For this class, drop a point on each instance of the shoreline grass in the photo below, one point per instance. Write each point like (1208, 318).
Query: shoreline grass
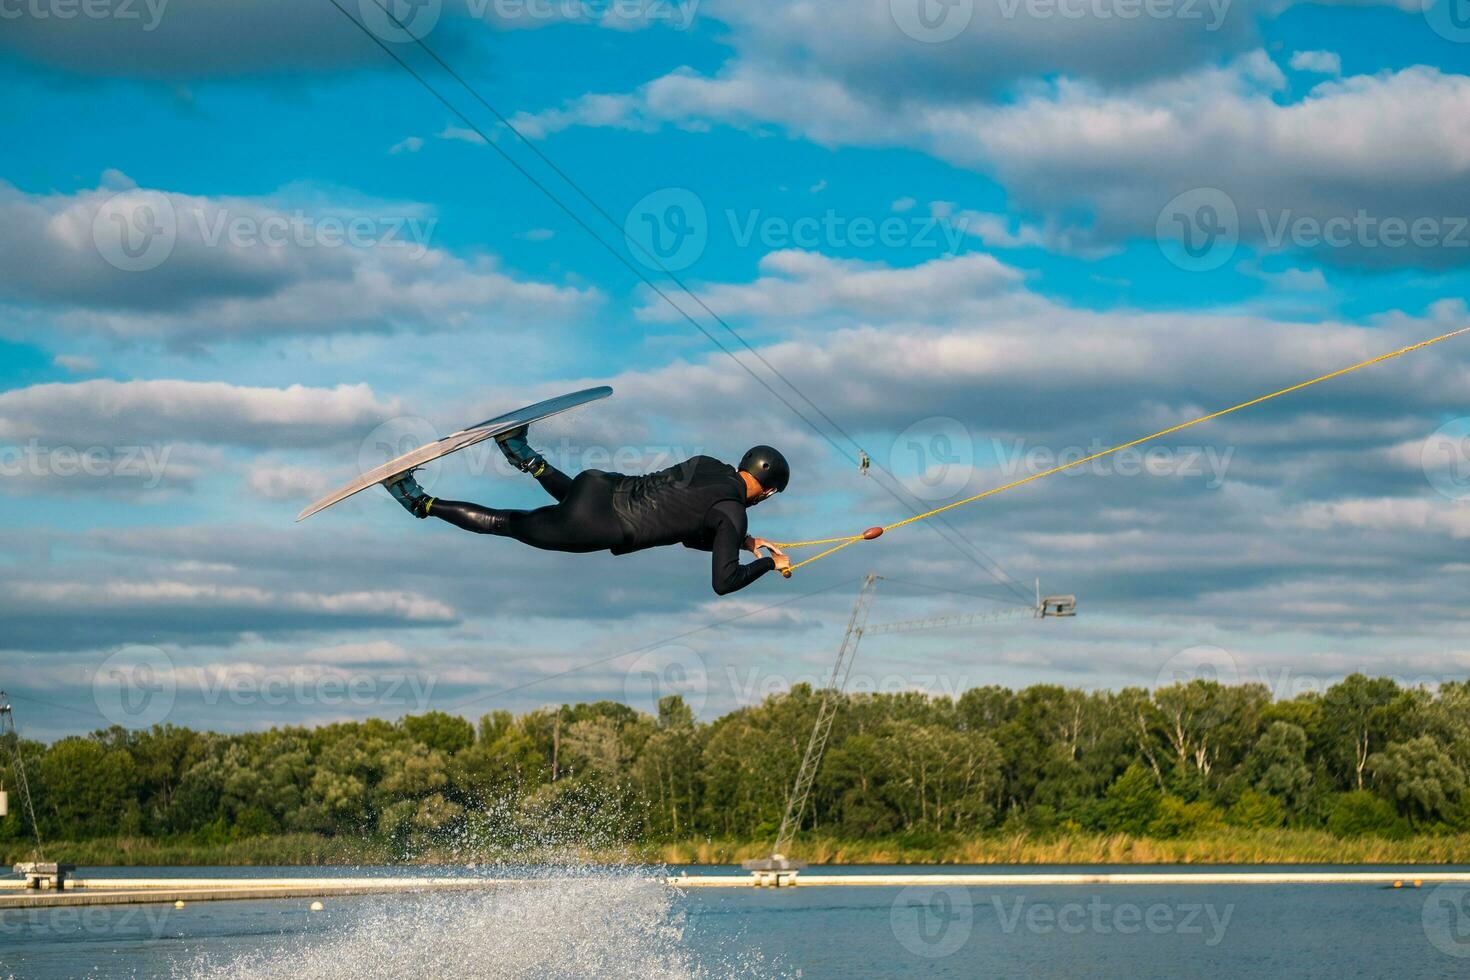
(1221, 847)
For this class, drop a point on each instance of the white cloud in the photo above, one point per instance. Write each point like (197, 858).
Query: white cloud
(1389, 144)
(287, 482)
(1317, 62)
(411, 144)
(75, 363)
(88, 413)
(241, 268)
(461, 134)
(800, 284)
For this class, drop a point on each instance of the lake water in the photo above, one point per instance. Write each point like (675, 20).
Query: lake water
(627, 924)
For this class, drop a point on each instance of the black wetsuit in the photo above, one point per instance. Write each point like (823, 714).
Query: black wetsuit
(700, 503)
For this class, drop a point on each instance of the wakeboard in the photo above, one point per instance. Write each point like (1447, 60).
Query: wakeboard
(454, 442)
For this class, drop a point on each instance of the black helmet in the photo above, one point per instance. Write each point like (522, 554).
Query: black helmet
(768, 467)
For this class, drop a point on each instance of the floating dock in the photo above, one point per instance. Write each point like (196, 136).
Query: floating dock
(136, 891)
(139, 891)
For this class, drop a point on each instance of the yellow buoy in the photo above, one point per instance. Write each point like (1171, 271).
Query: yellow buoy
(179, 904)
(316, 906)
(1398, 884)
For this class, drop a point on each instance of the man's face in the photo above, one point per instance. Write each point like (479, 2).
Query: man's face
(759, 495)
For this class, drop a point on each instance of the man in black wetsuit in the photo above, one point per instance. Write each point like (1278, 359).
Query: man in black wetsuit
(699, 503)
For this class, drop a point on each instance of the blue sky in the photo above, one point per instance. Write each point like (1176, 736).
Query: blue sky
(962, 248)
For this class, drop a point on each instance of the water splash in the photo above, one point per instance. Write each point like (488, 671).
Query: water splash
(606, 925)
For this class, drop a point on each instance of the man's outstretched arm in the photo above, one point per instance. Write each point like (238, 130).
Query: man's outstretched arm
(727, 575)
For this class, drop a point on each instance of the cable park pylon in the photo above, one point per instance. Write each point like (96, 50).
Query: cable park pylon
(11, 738)
(778, 869)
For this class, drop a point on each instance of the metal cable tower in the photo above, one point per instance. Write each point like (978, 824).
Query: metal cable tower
(826, 711)
(11, 737)
(778, 868)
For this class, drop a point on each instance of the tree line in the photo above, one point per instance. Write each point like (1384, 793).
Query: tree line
(1363, 757)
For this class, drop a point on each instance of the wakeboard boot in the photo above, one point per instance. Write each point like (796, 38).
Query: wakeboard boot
(519, 452)
(406, 490)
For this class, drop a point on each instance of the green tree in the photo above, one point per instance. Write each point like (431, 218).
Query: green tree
(1421, 779)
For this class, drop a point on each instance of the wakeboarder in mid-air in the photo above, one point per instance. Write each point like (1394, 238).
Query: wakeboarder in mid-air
(699, 503)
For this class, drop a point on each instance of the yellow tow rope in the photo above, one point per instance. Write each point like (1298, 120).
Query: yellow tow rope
(838, 543)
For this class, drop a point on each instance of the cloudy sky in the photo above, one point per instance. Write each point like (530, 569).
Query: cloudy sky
(245, 252)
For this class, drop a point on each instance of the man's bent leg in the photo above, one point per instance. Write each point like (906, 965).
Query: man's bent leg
(583, 521)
